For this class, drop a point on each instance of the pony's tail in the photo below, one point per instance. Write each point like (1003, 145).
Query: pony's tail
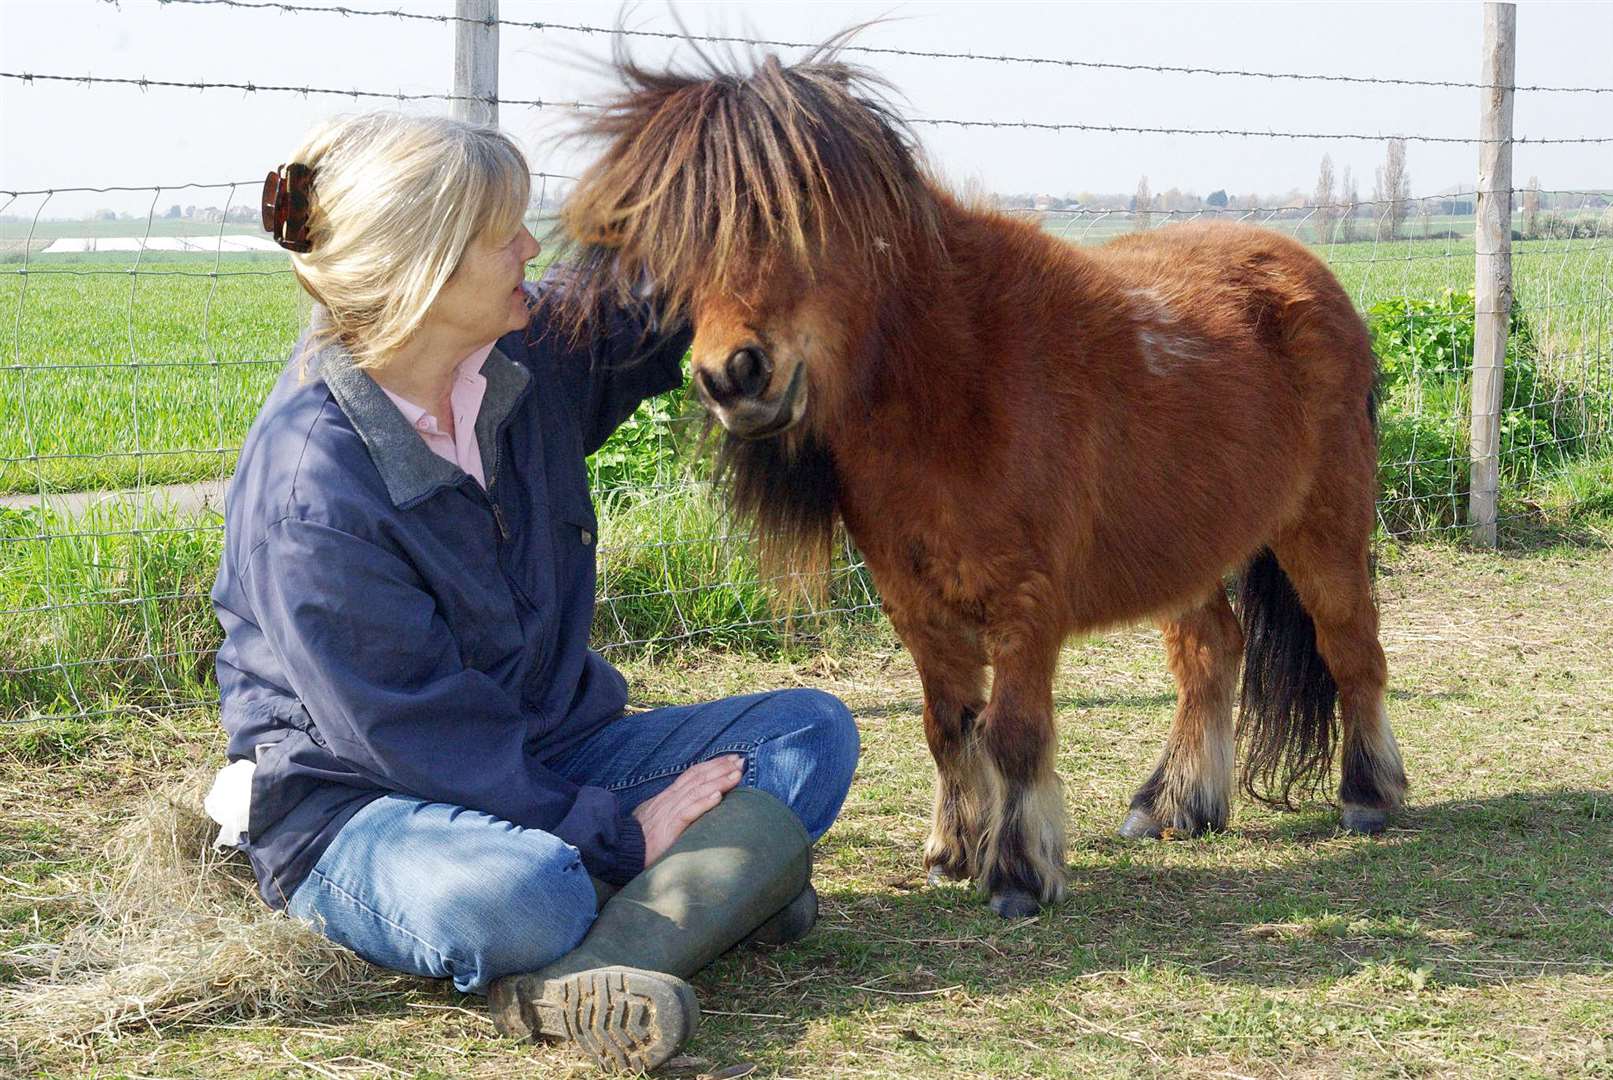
(1286, 716)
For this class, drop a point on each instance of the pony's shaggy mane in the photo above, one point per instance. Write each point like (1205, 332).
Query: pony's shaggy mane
(789, 489)
(708, 173)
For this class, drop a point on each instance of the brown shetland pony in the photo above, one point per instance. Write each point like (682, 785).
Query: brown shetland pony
(1026, 441)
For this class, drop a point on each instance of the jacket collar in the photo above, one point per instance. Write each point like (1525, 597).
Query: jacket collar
(409, 468)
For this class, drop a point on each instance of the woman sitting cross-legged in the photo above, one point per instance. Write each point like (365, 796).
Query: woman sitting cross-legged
(427, 761)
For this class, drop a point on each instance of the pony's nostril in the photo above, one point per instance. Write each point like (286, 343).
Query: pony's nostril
(749, 371)
(709, 386)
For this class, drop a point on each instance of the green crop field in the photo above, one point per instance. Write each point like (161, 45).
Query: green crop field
(114, 378)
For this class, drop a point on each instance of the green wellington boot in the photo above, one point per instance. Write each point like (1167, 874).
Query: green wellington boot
(790, 923)
(620, 996)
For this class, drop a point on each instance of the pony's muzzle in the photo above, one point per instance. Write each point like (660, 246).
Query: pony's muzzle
(748, 415)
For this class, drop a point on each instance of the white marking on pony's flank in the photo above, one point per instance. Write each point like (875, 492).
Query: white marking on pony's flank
(1163, 345)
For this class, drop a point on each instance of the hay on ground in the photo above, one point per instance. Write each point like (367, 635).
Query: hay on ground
(176, 935)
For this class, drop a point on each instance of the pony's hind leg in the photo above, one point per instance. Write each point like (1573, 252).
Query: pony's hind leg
(1330, 571)
(1188, 792)
(1022, 865)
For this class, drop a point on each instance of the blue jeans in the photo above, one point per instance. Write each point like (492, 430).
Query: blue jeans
(447, 892)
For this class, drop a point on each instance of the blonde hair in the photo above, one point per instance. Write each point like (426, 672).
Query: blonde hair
(396, 201)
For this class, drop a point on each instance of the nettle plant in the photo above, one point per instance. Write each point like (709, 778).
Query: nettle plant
(642, 454)
(1425, 359)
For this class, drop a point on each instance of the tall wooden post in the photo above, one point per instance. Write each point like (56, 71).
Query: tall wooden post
(1492, 305)
(476, 61)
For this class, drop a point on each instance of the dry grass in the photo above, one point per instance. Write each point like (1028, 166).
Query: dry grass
(173, 935)
(1476, 939)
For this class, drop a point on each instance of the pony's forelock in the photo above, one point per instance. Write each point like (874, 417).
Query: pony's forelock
(705, 172)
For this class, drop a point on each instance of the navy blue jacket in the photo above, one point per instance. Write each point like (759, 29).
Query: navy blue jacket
(391, 627)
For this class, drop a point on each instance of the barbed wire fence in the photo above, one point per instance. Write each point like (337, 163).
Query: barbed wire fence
(137, 363)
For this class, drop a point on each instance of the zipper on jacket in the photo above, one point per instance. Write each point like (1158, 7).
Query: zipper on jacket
(478, 493)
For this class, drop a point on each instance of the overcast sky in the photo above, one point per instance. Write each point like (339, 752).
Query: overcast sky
(60, 135)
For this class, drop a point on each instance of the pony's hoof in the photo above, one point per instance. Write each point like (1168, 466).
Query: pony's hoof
(1141, 825)
(1014, 904)
(1363, 820)
(941, 874)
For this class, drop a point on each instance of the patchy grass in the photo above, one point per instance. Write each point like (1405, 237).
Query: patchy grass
(1476, 938)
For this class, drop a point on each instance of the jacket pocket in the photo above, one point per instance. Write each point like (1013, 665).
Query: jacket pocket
(263, 808)
(294, 714)
(488, 627)
(576, 524)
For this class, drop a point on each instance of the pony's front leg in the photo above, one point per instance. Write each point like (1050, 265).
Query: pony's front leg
(1022, 866)
(952, 668)
(962, 788)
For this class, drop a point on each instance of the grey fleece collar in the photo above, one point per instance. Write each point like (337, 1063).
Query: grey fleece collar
(408, 466)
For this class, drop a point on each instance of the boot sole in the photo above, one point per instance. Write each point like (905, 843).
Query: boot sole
(624, 1018)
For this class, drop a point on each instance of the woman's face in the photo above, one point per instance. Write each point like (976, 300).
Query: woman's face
(483, 299)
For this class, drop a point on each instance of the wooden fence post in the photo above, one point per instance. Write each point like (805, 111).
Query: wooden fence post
(1492, 301)
(476, 61)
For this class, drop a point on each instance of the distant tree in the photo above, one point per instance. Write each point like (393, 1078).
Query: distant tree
(173, 211)
(1141, 203)
(104, 214)
(1349, 206)
(1531, 208)
(1178, 201)
(1324, 201)
(1217, 199)
(190, 211)
(1392, 190)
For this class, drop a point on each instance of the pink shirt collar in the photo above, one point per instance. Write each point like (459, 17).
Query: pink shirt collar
(465, 398)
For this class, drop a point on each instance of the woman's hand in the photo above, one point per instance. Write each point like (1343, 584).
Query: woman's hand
(696, 790)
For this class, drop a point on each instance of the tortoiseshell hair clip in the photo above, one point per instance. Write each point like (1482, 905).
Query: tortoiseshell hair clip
(287, 199)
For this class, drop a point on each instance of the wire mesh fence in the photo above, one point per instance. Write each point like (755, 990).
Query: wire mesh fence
(140, 351)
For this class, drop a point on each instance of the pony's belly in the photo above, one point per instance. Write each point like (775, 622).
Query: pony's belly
(1159, 555)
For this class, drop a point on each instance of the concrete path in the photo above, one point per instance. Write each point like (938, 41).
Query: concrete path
(183, 498)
